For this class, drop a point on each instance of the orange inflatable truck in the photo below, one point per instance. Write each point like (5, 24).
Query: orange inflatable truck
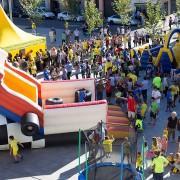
(20, 105)
(46, 113)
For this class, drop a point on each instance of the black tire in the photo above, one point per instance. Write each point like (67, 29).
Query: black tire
(88, 96)
(53, 101)
(30, 124)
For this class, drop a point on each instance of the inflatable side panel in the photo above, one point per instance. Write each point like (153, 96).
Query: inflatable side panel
(154, 51)
(71, 117)
(66, 89)
(14, 107)
(144, 59)
(176, 53)
(25, 76)
(19, 85)
(165, 63)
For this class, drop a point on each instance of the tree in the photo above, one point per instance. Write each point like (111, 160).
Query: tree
(123, 9)
(178, 9)
(154, 16)
(92, 16)
(30, 8)
(71, 5)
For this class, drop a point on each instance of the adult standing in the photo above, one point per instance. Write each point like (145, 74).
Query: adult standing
(131, 107)
(170, 22)
(156, 95)
(127, 150)
(144, 88)
(33, 26)
(158, 164)
(69, 68)
(100, 89)
(68, 33)
(76, 35)
(171, 125)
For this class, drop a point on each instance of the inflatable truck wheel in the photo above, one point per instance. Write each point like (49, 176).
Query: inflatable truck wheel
(88, 96)
(52, 101)
(30, 124)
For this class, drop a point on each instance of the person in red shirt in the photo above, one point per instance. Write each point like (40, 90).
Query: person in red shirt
(108, 90)
(131, 106)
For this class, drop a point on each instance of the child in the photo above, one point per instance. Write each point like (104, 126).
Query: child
(139, 162)
(139, 123)
(171, 159)
(154, 111)
(14, 149)
(165, 132)
(107, 144)
(176, 165)
(145, 153)
(154, 144)
(143, 109)
(164, 144)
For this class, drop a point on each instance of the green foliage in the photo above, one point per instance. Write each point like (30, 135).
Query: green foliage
(123, 9)
(154, 16)
(92, 16)
(178, 8)
(71, 5)
(30, 8)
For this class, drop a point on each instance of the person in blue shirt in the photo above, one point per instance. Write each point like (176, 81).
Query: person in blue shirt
(46, 74)
(169, 98)
(69, 68)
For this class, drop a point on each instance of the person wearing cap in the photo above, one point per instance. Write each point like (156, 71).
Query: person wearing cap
(158, 164)
(171, 125)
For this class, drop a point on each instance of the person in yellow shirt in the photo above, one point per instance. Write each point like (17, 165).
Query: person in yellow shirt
(154, 146)
(158, 164)
(133, 77)
(70, 54)
(14, 148)
(85, 47)
(33, 26)
(139, 162)
(175, 93)
(107, 144)
(97, 51)
(108, 65)
(143, 109)
(98, 43)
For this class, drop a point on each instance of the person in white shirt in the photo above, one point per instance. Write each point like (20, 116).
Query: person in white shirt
(122, 31)
(76, 35)
(118, 31)
(156, 95)
(105, 31)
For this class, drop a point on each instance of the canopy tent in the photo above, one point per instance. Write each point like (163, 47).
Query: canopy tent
(13, 39)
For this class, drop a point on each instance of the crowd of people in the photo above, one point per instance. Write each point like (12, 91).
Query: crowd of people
(116, 67)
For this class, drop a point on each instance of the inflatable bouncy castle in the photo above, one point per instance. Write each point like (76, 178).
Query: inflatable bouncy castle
(165, 56)
(169, 57)
(39, 114)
